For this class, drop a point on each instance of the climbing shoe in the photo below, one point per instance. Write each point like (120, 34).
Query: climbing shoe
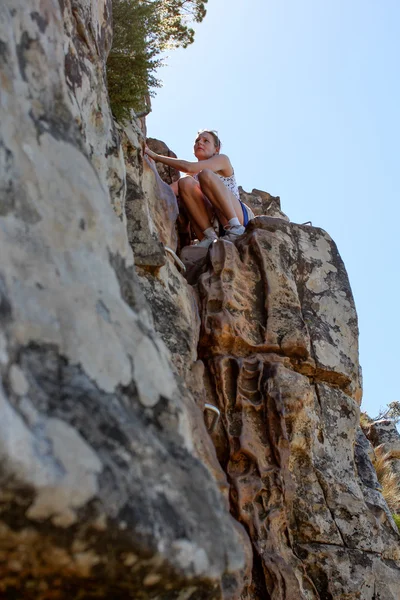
(205, 242)
(232, 233)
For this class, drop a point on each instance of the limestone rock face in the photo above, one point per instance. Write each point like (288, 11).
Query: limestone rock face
(103, 493)
(87, 42)
(283, 289)
(151, 206)
(167, 174)
(175, 313)
(279, 340)
(111, 485)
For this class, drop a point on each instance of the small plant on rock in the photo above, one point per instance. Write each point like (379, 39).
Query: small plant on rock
(388, 479)
(397, 521)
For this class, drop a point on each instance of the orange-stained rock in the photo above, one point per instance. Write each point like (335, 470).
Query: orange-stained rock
(282, 288)
(279, 339)
(289, 455)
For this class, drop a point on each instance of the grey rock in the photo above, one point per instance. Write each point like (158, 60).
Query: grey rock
(384, 433)
(385, 437)
(363, 576)
(262, 203)
(151, 205)
(103, 493)
(87, 42)
(167, 174)
(110, 486)
(362, 454)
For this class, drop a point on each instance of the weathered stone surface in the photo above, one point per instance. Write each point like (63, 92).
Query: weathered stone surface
(288, 450)
(110, 485)
(176, 318)
(102, 491)
(167, 174)
(263, 203)
(384, 433)
(162, 204)
(362, 527)
(385, 438)
(283, 288)
(195, 259)
(88, 37)
(328, 309)
(279, 339)
(342, 573)
(151, 206)
(364, 453)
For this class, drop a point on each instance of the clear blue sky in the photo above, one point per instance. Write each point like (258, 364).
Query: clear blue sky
(305, 95)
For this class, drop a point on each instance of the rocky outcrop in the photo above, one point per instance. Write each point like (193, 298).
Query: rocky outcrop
(167, 174)
(385, 438)
(151, 206)
(263, 203)
(285, 291)
(111, 486)
(278, 345)
(279, 339)
(87, 42)
(384, 433)
(103, 493)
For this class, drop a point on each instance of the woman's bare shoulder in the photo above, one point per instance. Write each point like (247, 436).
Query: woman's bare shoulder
(227, 169)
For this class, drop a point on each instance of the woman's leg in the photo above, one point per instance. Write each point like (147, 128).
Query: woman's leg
(193, 199)
(226, 204)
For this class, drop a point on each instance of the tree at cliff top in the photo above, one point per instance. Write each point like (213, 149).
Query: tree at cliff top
(143, 29)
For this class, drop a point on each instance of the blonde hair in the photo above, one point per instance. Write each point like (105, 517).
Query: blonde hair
(214, 134)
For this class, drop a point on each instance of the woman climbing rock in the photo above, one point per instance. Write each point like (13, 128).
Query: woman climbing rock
(209, 190)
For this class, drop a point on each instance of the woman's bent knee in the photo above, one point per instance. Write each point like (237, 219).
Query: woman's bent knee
(206, 175)
(186, 183)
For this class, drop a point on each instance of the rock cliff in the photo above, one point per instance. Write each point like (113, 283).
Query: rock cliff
(111, 485)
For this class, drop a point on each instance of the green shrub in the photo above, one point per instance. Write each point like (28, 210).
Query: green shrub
(142, 30)
(397, 521)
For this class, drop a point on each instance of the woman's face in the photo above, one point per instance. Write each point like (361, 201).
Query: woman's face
(204, 146)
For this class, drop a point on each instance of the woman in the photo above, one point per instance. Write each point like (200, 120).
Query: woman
(209, 187)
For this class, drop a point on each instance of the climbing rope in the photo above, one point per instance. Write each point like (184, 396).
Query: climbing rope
(176, 259)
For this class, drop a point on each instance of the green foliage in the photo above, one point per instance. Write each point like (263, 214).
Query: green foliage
(397, 521)
(143, 29)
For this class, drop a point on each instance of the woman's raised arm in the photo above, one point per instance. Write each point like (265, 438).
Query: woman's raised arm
(217, 163)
